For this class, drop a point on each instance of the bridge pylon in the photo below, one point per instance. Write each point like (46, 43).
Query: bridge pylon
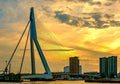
(34, 43)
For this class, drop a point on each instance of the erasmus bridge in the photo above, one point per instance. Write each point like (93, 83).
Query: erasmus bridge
(33, 43)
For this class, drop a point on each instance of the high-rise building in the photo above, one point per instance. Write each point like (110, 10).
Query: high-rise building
(112, 65)
(108, 66)
(103, 66)
(74, 65)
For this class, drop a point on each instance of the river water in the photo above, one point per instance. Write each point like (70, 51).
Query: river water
(55, 82)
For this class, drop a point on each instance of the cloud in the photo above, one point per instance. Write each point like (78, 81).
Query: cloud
(64, 18)
(115, 23)
(1, 13)
(99, 20)
(91, 2)
(80, 0)
(108, 16)
(90, 51)
(95, 3)
(58, 50)
(110, 2)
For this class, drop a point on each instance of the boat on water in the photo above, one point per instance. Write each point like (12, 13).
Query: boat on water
(109, 80)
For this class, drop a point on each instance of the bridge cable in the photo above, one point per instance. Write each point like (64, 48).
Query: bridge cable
(5, 70)
(24, 51)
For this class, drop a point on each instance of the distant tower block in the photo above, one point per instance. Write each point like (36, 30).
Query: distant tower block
(108, 66)
(74, 65)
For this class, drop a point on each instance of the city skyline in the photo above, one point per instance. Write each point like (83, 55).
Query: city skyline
(65, 28)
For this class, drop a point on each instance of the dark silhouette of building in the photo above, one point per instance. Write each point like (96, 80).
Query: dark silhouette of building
(103, 66)
(108, 66)
(112, 66)
(74, 65)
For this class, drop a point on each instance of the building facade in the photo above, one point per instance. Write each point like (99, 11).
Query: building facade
(112, 66)
(108, 66)
(103, 66)
(74, 65)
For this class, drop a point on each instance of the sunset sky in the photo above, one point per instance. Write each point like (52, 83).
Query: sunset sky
(88, 29)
